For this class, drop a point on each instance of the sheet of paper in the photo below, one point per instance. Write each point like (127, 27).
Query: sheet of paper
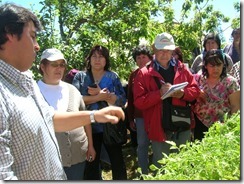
(174, 88)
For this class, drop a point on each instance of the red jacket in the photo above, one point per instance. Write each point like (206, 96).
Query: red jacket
(147, 97)
(133, 112)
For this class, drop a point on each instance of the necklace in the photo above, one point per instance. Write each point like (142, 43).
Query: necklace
(98, 77)
(97, 81)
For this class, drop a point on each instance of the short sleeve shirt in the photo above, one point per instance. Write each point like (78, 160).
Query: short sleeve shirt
(217, 104)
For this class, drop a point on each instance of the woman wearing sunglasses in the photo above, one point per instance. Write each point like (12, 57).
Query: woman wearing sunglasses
(64, 97)
(220, 93)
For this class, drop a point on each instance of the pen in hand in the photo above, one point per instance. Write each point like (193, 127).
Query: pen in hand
(164, 87)
(162, 81)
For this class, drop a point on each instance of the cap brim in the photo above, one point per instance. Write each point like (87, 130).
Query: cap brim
(55, 59)
(165, 47)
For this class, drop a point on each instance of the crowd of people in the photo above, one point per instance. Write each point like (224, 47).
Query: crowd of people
(53, 129)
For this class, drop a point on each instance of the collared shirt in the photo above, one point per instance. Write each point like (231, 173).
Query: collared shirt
(168, 75)
(235, 71)
(28, 146)
(156, 65)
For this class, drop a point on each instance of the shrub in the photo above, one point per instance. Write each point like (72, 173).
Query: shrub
(217, 157)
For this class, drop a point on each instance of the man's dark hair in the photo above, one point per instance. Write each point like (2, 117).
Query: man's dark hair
(142, 49)
(13, 19)
(234, 31)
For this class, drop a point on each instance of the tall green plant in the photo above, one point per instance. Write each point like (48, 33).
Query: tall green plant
(217, 157)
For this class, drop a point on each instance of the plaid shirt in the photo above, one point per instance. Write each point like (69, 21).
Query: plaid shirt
(28, 146)
(235, 71)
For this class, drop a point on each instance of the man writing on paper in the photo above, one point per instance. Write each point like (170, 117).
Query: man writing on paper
(174, 89)
(151, 82)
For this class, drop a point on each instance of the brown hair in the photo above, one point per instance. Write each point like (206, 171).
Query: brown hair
(101, 50)
(44, 62)
(179, 53)
(214, 57)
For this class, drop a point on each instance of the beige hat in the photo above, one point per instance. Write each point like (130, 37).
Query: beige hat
(52, 55)
(164, 41)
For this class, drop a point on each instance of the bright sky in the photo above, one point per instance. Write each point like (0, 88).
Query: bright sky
(221, 5)
(224, 6)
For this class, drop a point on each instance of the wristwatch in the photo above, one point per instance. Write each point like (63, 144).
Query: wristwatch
(92, 118)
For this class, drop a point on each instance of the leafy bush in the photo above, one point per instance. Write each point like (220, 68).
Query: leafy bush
(217, 157)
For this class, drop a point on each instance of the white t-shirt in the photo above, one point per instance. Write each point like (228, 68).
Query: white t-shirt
(57, 96)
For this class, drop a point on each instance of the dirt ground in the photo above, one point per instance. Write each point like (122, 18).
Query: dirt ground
(130, 158)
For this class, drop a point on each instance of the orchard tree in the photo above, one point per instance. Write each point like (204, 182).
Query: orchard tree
(198, 18)
(74, 26)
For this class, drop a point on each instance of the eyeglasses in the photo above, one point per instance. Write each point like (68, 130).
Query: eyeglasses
(55, 65)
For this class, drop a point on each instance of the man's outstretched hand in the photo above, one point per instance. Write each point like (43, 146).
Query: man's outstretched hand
(109, 114)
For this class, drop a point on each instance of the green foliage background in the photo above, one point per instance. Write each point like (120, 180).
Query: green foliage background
(217, 157)
(74, 26)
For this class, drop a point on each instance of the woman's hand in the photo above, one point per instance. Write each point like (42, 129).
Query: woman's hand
(103, 94)
(111, 99)
(90, 154)
(202, 98)
(94, 91)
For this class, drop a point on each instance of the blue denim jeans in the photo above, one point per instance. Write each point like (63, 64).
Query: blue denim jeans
(159, 147)
(143, 145)
(76, 171)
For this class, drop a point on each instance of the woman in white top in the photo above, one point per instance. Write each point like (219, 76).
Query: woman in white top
(64, 97)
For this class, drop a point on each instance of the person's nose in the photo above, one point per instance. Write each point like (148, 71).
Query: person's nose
(36, 47)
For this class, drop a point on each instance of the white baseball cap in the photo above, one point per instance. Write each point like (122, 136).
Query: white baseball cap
(164, 41)
(52, 55)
